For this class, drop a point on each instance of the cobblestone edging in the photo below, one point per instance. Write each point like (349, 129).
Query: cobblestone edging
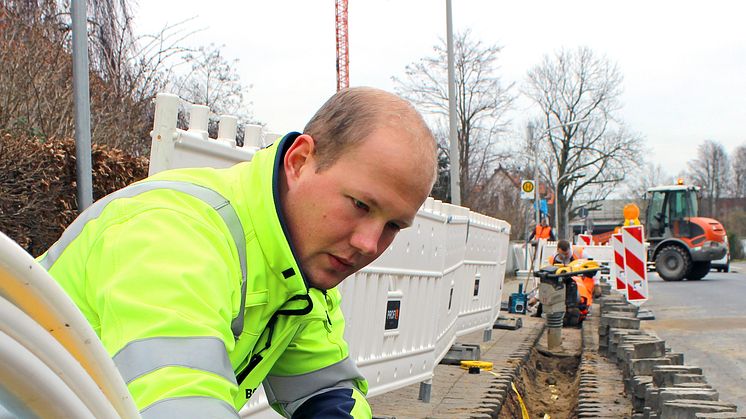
(505, 370)
(658, 382)
(601, 389)
(458, 394)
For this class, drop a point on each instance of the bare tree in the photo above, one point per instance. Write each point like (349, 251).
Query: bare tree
(212, 80)
(739, 172)
(652, 174)
(583, 160)
(710, 171)
(36, 75)
(481, 100)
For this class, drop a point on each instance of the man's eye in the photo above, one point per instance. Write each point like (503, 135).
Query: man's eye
(394, 226)
(360, 204)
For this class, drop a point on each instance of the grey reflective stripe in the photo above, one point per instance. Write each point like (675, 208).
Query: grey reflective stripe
(292, 391)
(143, 356)
(188, 408)
(207, 195)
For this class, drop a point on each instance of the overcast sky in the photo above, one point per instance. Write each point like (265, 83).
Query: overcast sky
(684, 62)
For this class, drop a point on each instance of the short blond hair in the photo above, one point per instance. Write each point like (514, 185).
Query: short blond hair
(352, 114)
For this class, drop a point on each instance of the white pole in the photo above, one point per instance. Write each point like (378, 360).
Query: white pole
(530, 135)
(453, 133)
(82, 100)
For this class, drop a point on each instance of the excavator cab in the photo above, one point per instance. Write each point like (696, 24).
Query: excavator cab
(670, 212)
(682, 243)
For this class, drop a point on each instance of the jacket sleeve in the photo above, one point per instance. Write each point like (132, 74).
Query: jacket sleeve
(163, 285)
(315, 377)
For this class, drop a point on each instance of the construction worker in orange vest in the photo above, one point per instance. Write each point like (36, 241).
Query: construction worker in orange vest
(585, 284)
(542, 231)
(566, 253)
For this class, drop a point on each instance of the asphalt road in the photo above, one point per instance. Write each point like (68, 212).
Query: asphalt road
(706, 321)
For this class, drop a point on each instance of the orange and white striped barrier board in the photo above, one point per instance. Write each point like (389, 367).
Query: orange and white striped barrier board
(617, 266)
(635, 264)
(584, 240)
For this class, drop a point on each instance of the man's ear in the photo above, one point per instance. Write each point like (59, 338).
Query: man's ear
(299, 157)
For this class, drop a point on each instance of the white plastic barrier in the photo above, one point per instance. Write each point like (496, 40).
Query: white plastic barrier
(174, 148)
(439, 279)
(52, 364)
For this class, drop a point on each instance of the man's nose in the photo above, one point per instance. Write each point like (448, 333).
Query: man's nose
(366, 237)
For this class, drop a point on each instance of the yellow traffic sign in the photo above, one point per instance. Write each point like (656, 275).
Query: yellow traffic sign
(527, 189)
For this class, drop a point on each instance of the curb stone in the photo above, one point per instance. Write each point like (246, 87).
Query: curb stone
(657, 380)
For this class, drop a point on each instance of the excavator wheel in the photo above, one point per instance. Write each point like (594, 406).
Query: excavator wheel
(699, 270)
(673, 263)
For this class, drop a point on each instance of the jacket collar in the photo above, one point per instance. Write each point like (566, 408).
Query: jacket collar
(262, 197)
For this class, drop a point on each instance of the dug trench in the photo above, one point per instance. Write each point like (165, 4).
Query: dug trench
(548, 382)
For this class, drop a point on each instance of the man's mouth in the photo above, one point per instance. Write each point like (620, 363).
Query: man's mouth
(340, 264)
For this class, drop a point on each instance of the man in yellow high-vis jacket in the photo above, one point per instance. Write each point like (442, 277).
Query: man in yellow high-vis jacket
(203, 283)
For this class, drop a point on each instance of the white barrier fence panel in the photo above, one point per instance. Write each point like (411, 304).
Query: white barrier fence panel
(439, 279)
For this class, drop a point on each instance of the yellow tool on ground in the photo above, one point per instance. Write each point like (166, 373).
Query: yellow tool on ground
(482, 365)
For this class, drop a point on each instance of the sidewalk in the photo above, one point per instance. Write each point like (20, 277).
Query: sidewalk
(458, 394)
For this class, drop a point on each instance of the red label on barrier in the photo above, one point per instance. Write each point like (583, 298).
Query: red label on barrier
(636, 233)
(618, 259)
(619, 284)
(632, 294)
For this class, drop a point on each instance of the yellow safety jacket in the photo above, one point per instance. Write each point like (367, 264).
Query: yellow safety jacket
(189, 279)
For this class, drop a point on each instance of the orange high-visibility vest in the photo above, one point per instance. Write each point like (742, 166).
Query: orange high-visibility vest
(542, 232)
(585, 287)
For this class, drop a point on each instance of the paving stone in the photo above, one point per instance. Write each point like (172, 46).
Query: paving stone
(673, 393)
(711, 415)
(693, 386)
(688, 378)
(663, 374)
(650, 349)
(645, 366)
(686, 409)
(620, 322)
(676, 358)
(640, 384)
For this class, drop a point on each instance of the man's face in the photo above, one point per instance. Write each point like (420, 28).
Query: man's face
(344, 217)
(565, 254)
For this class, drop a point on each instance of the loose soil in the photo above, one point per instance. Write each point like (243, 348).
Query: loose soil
(548, 382)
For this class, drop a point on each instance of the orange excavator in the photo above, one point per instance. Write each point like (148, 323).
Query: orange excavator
(682, 244)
